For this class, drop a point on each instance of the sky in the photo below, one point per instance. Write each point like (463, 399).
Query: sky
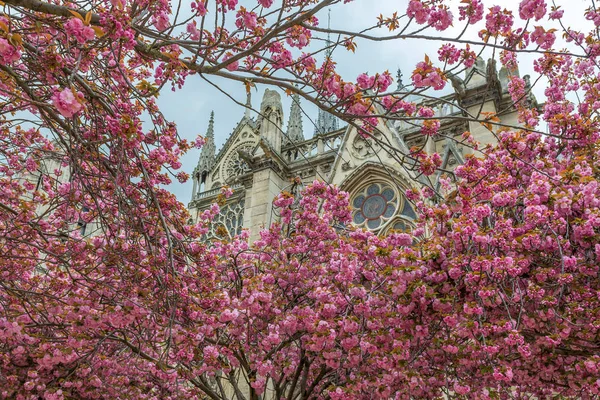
(190, 107)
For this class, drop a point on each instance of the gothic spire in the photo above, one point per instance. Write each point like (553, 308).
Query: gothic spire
(294, 128)
(207, 155)
(326, 123)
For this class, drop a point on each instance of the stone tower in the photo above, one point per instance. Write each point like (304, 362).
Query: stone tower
(270, 121)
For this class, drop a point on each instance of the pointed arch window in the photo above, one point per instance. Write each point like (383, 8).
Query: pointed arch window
(229, 222)
(203, 177)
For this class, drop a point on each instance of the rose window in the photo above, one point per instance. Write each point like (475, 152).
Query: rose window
(237, 166)
(374, 206)
(234, 164)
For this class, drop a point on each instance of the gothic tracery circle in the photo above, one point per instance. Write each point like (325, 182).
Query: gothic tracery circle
(374, 205)
(234, 164)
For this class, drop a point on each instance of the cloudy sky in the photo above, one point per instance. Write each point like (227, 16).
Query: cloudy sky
(190, 107)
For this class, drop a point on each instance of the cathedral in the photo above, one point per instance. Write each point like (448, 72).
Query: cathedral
(262, 157)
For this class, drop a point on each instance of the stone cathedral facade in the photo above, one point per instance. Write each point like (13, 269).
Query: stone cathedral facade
(265, 153)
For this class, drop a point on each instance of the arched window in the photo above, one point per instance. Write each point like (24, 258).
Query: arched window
(229, 222)
(203, 177)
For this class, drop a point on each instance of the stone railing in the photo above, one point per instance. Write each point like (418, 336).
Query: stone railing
(214, 192)
(313, 147)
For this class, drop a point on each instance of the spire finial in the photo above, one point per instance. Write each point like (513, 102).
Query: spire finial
(399, 79)
(248, 104)
(329, 48)
(211, 125)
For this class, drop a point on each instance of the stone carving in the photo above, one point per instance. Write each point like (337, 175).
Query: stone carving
(234, 164)
(365, 147)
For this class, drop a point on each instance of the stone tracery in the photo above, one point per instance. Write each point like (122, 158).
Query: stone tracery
(231, 218)
(234, 164)
(379, 202)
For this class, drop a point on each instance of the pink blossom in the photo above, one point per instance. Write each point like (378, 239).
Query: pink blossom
(509, 59)
(473, 11)
(461, 389)
(516, 88)
(68, 102)
(228, 315)
(199, 7)
(265, 3)
(260, 382)
(227, 191)
(246, 19)
(8, 53)
(193, 31)
(417, 10)
(383, 81)
(440, 18)
(430, 127)
(283, 59)
(545, 39)
(365, 81)
(426, 112)
(182, 177)
(233, 66)
(532, 9)
(498, 21)
(449, 54)
(226, 5)
(77, 29)
(427, 75)
(161, 21)
(556, 14)
(403, 239)
(199, 142)
(211, 352)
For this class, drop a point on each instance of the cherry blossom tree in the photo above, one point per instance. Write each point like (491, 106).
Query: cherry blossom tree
(499, 301)
(494, 295)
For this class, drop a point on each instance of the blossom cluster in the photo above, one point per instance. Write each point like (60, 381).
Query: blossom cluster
(494, 294)
(425, 74)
